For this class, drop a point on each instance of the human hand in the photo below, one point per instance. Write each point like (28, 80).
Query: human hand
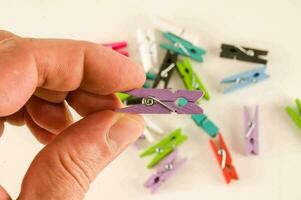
(37, 77)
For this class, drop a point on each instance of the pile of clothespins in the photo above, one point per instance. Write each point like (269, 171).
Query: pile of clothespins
(181, 47)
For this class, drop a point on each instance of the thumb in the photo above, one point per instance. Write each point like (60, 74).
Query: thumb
(65, 168)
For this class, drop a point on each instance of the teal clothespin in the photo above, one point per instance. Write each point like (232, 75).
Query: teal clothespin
(207, 125)
(164, 147)
(183, 47)
(190, 78)
(150, 77)
(295, 114)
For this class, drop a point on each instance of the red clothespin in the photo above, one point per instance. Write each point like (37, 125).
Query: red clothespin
(224, 158)
(118, 46)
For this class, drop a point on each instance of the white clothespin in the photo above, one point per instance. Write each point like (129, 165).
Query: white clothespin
(148, 48)
(165, 25)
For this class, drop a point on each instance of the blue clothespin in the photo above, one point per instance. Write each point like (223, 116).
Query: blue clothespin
(183, 47)
(207, 125)
(245, 79)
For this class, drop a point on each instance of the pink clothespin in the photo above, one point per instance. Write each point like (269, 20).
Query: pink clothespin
(251, 131)
(166, 168)
(118, 46)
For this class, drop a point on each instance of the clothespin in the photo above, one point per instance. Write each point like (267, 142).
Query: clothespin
(150, 126)
(295, 114)
(148, 48)
(183, 47)
(153, 126)
(150, 78)
(167, 25)
(164, 101)
(164, 147)
(123, 97)
(118, 46)
(206, 124)
(190, 78)
(166, 69)
(167, 167)
(251, 132)
(244, 79)
(224, 158)
(243, 53)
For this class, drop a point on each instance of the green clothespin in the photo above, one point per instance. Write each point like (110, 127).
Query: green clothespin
(183, 47)
(164, 147)
(190, 78)
(207, 125)
(123, 97)
(295, 114)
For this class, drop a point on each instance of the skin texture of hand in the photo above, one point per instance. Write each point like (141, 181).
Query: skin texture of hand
(39, 78)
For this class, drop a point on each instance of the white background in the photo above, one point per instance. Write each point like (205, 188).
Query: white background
(270, 24)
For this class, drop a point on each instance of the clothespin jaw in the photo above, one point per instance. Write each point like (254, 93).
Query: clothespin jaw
(251, 131)
(183, 47)
(123, 97)
(190, 78)
(207, 125)
(167, 166)
(245, 79)
(295, 114)
(163, 101)
(117, 46)
(166, 69)
(224, 159)
(243, 53)
(164, 147)
(148, 48)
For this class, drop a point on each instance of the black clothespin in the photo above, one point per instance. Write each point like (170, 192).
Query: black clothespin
(166, 69)
(243, 53)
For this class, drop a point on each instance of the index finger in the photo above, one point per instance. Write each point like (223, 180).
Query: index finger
(61, 65)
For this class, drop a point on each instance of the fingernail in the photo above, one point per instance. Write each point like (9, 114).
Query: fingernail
(125, 131)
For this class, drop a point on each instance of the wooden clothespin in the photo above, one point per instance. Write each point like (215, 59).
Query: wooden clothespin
(166, 168)
(295, 114)
(245, 79)
(190, 78)
(251, 131)
(164, 147)
(224, 159)
(243, 53)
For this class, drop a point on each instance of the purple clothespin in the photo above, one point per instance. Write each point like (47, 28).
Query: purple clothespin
(166, 168)
(118, 46)
(164, 101)
(251, 132)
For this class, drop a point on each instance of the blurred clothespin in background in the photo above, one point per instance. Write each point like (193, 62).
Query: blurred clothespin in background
(190, 78)
(118, 46)
(182, 47)
(251, 131)
(164, 147)
(151, 127)
(243, 53)
(245, 79)
(166, 69)
(295, 114)
(224, 159)
(166, 168)
(207, 125)
(148, 48)
(167, 25)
